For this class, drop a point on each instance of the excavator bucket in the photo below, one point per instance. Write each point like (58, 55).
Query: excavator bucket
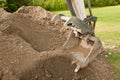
(83, 49)
(81, 42)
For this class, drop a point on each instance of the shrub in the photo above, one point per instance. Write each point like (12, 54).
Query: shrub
(13, 5)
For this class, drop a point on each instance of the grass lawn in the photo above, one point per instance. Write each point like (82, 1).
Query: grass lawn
(108, 30)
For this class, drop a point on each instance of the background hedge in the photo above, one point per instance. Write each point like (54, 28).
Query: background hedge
(13, 5)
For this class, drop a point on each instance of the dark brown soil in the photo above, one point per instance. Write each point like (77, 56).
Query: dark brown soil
(29, 44)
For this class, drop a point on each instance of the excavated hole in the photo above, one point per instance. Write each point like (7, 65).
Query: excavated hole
(43, 36)
(43, 41)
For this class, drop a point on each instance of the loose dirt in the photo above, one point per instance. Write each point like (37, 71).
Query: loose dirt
(30, 49)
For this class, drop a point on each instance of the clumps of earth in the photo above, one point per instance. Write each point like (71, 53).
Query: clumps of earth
(30, 49)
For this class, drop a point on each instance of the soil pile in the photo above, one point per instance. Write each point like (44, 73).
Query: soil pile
(3, 13)
(43, 35)
(28, 49)
(36, 13)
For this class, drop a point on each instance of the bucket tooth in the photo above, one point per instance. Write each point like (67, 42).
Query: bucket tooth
(77, 69)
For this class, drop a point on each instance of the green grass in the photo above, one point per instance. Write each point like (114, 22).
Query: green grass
(108, 30)
(114, 61)
(108, 25)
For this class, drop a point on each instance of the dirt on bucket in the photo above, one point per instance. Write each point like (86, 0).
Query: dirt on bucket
(30, 49)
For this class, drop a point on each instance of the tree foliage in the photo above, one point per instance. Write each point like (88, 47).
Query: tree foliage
(2, 3)
(101, 3)
(13, 5)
